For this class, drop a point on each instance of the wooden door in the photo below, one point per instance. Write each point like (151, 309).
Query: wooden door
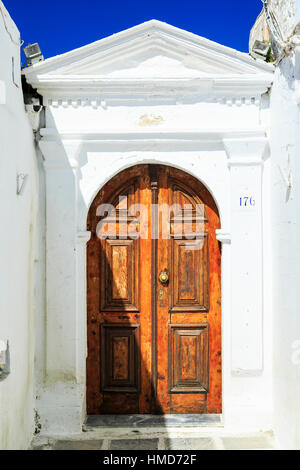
(153, 296)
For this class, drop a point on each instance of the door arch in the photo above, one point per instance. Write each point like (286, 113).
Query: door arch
(154, 344)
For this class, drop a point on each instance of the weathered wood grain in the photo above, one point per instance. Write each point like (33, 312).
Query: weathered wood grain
(153, 347)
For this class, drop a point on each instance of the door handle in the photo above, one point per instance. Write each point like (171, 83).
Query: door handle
(164, 277)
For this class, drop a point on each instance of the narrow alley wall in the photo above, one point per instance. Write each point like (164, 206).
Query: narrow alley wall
(18, 243)
(285, 149)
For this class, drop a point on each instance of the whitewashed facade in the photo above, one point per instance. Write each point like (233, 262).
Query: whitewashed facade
(285, 146)
(19, 187)
(151, 94)
(157, 94)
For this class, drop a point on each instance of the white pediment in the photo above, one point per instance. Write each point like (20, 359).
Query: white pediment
(146, 46)
(150, 51)
(152, 63)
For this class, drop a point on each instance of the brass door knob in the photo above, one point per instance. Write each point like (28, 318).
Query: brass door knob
(164, 277)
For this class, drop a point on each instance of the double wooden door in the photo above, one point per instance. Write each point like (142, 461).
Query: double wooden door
(153, 295)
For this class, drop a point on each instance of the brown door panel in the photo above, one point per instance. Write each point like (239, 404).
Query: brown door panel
(154, 305)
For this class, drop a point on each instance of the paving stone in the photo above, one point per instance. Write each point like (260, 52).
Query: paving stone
(134, 444)
(203, 443)
(246, 443)
(78, 445)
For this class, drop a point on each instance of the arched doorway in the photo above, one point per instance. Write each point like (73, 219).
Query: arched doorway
(154, 295)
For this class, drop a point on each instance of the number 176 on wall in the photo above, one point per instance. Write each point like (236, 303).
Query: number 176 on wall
(247, 201)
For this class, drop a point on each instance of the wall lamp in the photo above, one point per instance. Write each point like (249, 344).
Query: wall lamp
(33, 54)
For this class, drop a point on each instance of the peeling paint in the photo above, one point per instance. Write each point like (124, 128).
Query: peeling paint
(150, 120)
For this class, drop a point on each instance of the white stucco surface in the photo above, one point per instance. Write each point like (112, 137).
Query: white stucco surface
(285, 12)
(286, 256)
(181, 101)
(151, 94)
(18, 214)
(284, 140)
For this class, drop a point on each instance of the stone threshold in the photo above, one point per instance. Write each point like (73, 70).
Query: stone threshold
(179, 440)
(161, 421)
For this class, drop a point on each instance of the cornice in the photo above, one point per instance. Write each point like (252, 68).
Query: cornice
(103, 101)
(247, 144)
(241, 152)
(170, 136)
(110, 68)
(72, 87)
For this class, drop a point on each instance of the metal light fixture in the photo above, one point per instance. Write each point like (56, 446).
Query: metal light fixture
(33, 54)
(260, 50)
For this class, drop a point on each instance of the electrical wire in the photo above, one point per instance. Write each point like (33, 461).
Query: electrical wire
(273, 24)
(285, 45)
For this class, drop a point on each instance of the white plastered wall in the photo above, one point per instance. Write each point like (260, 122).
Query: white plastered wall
(284, 222)
(230, 164)
(18, 243)
(285, 145)
(212, 123)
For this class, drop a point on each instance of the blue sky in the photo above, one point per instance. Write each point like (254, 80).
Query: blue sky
(62, 25)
